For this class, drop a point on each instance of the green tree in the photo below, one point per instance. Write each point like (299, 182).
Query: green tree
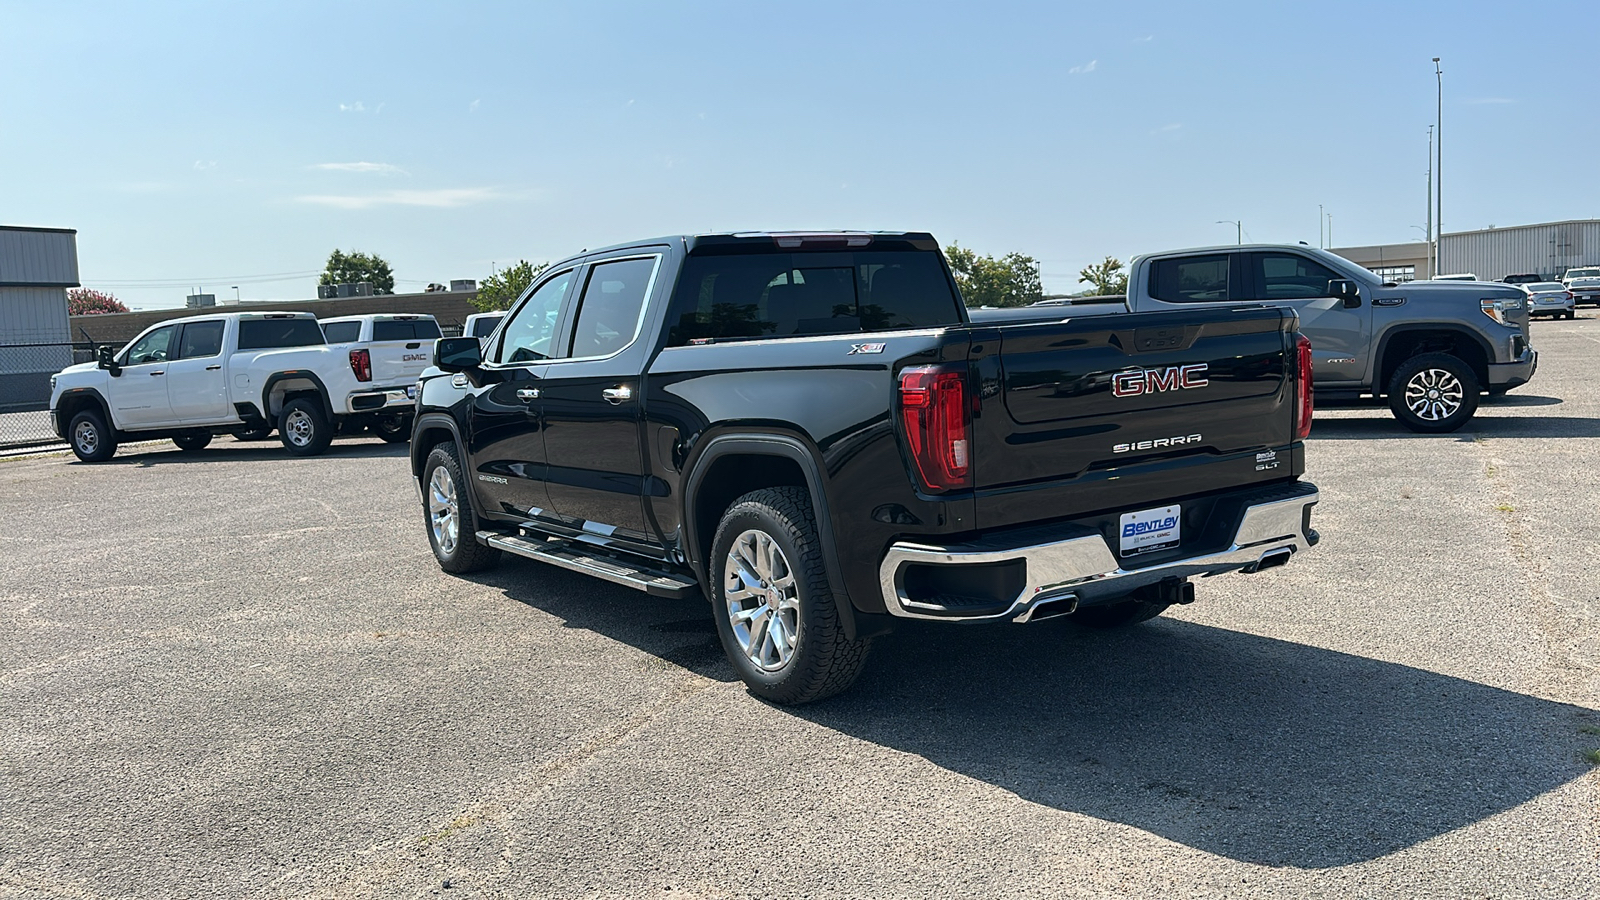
(1108, 276)
(87, 302)
(1011, 280)
(502, 288)
(355, 267)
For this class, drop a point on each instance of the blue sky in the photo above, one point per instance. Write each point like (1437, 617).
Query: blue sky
(218, 144)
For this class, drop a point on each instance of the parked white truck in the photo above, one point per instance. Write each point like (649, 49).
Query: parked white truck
(389, 351)
(228, 373)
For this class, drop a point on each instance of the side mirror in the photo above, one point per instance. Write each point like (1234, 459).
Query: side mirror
(457, 354)
(1346, 290)
(106, 358)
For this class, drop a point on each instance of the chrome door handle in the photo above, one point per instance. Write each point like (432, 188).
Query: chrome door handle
(213, 368)
(617, 394)
(528, 394)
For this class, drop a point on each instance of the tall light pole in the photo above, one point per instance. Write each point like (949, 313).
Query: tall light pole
(1438, 168)
(1238, 225)
(236, 295)
(1330, 231)
(1321, 221)
(1433, 263)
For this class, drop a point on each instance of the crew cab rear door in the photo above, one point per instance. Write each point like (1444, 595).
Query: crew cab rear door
(1127, 411)
(401, 348)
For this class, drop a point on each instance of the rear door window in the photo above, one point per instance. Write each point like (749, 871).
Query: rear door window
(405, 330)
(783, 294)
(1190, 279)
(200, 339)
(342, 332)
(270, 334)
(482, 328)
(613, 299)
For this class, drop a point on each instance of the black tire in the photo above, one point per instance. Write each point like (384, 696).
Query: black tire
(395, 430)
(259, 433)
(1440, 380)
(1119, 614)
(91, 440)
(465, 554)
(822, 661)
(303, 428)
(192, 441)
(1572, 314)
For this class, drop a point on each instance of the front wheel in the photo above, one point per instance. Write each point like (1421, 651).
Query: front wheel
(776, 615)
(91, 440)
(303, 427)
(447, 511)
(191, 441)
(395, 430)
(1433, 393)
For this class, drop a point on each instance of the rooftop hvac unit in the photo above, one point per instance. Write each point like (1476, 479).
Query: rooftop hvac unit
(359, 289)
(195, 301)
(463, 284)
(327, 291)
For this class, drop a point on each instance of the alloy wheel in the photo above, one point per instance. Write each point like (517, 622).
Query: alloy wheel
(763, 600)
(444, 513)
(1434, 394)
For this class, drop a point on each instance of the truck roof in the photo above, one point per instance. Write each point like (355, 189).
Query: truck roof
(241, 316)
(379, 317)
(775, 239)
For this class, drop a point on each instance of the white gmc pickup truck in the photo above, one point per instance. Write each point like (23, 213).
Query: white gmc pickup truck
(227, 373)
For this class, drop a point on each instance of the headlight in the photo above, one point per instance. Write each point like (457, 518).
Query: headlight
(1495, 307)
(52, 384)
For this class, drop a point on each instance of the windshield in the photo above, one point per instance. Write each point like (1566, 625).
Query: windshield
(1583, 273)
(1546, 286)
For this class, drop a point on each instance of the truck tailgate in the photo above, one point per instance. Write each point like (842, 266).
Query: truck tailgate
(399, 361)
(1123, 412)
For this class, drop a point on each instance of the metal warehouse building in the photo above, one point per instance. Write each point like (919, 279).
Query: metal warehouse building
(37, 265)
(1547, 250)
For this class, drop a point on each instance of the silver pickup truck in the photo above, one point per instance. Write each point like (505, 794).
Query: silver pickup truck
(1431, 347)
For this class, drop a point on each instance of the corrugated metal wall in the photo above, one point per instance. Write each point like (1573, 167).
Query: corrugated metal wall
(33, 315)
(38, 257)
(1547, 250)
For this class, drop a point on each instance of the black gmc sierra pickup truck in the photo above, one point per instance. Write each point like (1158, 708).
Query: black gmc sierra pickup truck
(812, 431)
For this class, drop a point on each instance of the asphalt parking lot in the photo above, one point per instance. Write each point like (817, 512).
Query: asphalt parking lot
(239, 674)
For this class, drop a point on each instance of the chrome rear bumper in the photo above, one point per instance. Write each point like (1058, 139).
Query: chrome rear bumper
(1085, 570)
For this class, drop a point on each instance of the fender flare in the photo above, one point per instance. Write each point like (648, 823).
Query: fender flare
(767, 444)
(94, 395)
(322, 391)
(1401, 328)
(431, 419)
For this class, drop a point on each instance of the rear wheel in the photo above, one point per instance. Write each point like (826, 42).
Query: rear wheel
(91, 440)
(395, 430)
(447, 511)
(776, 615)
(303, 427)
(192, 441)
(1433, 393)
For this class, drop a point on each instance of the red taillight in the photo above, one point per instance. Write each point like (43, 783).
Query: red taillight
(361, 364)
(933, 410)
(1303, 405)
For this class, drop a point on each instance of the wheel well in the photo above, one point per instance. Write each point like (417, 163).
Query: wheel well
(1407, 344)
(287, 389)
(423, 442)
(72, 404)
(731, 477)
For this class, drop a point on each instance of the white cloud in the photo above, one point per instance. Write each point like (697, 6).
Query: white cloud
(200, 165)
(352, 107)
(473, 106)
(1089, 66)
(376, 168)
(439, 199)
(1144, 40)
(1167, 129)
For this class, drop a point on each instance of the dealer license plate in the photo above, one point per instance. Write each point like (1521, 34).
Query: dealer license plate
(1150, 529)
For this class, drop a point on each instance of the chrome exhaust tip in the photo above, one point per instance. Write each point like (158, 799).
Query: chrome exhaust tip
(1048, 608)
(1271, 560)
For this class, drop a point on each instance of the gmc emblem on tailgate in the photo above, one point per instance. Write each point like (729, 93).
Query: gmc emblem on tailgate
(1134, 382)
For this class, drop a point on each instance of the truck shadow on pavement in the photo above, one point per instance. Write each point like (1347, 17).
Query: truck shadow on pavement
(227, 451)
(1261, 750)
(1381, 425)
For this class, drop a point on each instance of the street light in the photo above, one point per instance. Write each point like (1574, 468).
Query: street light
(1238, 225)
(1438, 168)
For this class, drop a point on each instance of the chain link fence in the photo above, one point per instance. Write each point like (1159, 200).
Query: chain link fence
(25, 371)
